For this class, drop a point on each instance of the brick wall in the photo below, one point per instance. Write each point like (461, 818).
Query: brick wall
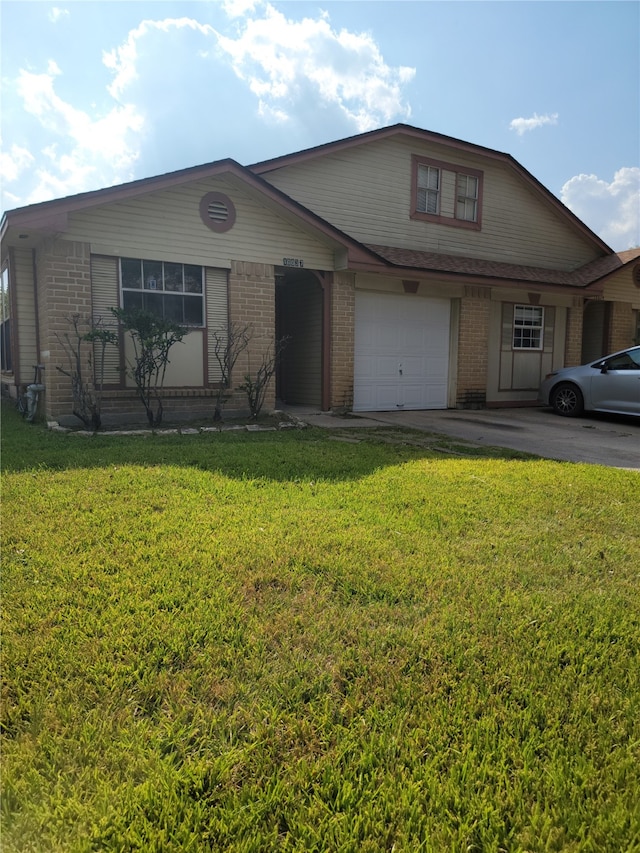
(473, 347)
(125, 407)
(252, 299)
(621, 325)
(64, 289)
(342, 340)
(573, 342)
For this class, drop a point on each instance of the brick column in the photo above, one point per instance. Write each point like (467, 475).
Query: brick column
(342, 340)
(621, 331)
(63, 271)
(252, 299)
(573, 342)
(473, 347)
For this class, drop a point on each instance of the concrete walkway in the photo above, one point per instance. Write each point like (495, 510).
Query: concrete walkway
(611, 440)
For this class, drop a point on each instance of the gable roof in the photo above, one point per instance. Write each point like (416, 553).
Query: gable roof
(52, 216)
(266, 166)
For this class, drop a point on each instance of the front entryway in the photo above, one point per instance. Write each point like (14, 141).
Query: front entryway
(401, 352)
(595, 328)
(299, 320)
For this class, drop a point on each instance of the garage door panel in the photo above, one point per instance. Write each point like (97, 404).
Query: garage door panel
(364, 367)
(413, 366)
(386, 368)
(401, 352)
(413, 396)
(386, 397)
(436, 367)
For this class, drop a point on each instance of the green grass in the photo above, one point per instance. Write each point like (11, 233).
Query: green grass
(282, 642)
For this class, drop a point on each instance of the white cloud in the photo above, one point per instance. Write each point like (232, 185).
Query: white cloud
(94, 149)
(14, 162)
(288, 64)
(56, 14)
(612, 210)
(302, 72)
(239, 8)
(124, 60)
(523, 125)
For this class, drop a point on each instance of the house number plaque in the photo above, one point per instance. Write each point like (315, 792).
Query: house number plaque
(293, 262)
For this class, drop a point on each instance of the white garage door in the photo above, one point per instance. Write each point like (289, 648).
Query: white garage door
(401, 352)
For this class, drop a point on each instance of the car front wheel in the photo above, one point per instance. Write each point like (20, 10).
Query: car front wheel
(567, 400)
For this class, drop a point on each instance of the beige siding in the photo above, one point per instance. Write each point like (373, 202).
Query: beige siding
(25, 321)
(620, 288)
(166, 226)
(366, 191)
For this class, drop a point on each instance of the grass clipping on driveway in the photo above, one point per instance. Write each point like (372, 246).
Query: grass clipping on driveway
(278, 642)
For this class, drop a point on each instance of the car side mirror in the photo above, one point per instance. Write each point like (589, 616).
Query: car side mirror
(604, 369)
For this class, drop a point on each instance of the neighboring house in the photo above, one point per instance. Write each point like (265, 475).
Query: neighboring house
(407, 269)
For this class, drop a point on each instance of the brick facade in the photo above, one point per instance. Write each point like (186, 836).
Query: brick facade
(342, 340)
(473, 347)
(621, 325)
(63, 289)
(573, 340)
(252, 299)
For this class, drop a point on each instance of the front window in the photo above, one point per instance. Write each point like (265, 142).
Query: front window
(528, 325)
(428, 196)
(173, 291)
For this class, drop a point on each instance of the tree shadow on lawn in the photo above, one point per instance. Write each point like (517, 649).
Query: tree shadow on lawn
(303, 454)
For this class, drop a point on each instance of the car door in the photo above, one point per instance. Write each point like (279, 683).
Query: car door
(616, 388)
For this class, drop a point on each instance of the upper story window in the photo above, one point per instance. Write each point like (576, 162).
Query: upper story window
(446, 194)
(467, 198)
(169, 290)
(528, 326)
(428, 196)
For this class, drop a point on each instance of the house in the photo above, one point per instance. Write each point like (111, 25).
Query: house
(407, 269)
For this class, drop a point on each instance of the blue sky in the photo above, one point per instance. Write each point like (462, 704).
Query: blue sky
(96, 93)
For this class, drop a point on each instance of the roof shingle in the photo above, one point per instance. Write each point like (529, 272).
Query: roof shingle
(457, 265)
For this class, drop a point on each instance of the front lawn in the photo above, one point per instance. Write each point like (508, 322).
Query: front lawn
(259, 642)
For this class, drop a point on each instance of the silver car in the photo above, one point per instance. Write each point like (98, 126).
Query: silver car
(611, 384)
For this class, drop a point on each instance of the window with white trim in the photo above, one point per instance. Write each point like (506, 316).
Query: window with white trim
(428, 192)
(467, 197)
(528, 326)
(173, 291)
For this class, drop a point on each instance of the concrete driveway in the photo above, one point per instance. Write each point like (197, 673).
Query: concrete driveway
(610, 440)
(603, 440)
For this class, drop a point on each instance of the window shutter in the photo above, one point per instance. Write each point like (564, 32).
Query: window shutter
(104, 295)
(507, 325)
(549, 324)
(217, 302)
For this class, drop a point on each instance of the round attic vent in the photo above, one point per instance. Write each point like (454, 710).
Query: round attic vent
(217, 211)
